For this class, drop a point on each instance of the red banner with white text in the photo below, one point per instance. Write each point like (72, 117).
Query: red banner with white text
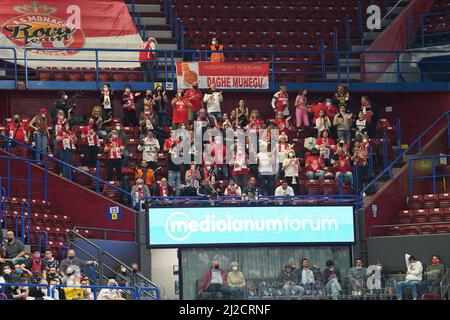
(69, 25)
(226, 75)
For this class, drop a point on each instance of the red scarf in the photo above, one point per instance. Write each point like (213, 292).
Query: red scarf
(36, 267)
(163, 191)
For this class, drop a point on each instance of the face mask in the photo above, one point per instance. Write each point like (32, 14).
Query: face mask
(217, 266)
(67, 128)
(118, 128)
(7, 272)
(65, 97)
(195, 87)
(328, 104)
(147, 112)
(19, 271)
(71, 257)
(123, 270)
(52, 274)
(140, 185)
(127, 90)
(379, 267)
(291, 155)
(114, 136)
(43, 115)
(105, 89)
(148, 94)
(16, 120)
(235, 268)
(91, 123)
(135, 271)
(214, 43)
(10, 240)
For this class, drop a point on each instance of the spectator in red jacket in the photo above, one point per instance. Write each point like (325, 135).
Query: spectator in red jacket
(129, 106)
(91, 143)
(66, 140)
(148, 60)
(343, 169)
(114, 149)
(214, 284)
(195, 96)
(314, 166)
(180, 106)
(17, 130)
(326, 147)
(315, 110)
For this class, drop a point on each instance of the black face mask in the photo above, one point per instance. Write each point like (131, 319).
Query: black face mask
(195, 87)
(10, 240)
(71, 257)
(217, 266)
(16, 120)
(135, 271)
(52, 274)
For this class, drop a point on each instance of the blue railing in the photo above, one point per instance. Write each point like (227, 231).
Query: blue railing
(10, 178)
(95, 289)
(29, 285)
(434, 175)
(418, 36)
(415, 146)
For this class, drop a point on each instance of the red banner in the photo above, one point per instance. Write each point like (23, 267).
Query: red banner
(226, 75)
(70, 25)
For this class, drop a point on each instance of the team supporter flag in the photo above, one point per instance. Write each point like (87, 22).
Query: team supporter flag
(226, 75)
(69, 24)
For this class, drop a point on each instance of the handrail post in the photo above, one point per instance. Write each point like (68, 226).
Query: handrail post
(433, 170)
(15, 69)
(273, 71)
(172, 60)
(97, 174)
(100, 267)
(399, 143)
(322, 57)
(97, 71)
(8, 190)
(45, 181)
(133, 9)
(371, 161)
(397, 61)
(26, 66)
(29, 180)
(422, 31)
(410, 175)
(336, 50)
(360, 24)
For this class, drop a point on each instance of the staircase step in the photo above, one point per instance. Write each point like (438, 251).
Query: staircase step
(351, 76)
(152, 20)
(152, 27)
(167, 46)
(145, 8)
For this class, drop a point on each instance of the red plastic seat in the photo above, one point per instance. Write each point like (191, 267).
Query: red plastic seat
(405, 216)
(444, 200)
(420, 216)
(415, 201)
(430, 201)
(436, 214)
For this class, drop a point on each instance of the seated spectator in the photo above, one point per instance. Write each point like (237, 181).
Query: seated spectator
(145, 173)
(52, 273)
(49, 260)
(21, 292)
(343, 169)
(214, 284)
(110, 294)
(236, 282)
(58, 292)
(305, 276)
(207, 173)
(9, 276)
(332, 279)
(284, 190)
(14, 250)
(382, 273)
(71, 260)
(282, 123)
(434, 274)
(23, 273)
(288, 279)
(233, 190)
(314, 166)
(326, 147)
(357, 278)
(252, 191)
(39, 293)
(413, 277)
(87, 292)
(162, 190)
(139, 192)
(192, 179)
(205, 189)
(36, 265)
(73, 280)
(254, 122)
(322, 123)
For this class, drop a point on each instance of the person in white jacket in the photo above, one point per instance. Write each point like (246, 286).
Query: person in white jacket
(413, 277)
(212, 99)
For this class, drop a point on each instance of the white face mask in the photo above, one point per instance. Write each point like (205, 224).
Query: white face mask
(105, 88)
(114, 136)
(43, 115)
(123, 269)
(7, 271)
(118, 128)
(328, 104)
(127, 90)
(235, 268)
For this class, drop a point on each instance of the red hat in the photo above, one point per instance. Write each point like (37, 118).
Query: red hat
(43, 110)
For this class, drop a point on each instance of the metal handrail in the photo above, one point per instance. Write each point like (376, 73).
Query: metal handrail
(95, 288)
(406, 225)
(402, 154)
(434, 175)
(445, 284)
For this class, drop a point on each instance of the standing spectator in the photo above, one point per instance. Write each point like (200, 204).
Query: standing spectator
(360, 161)
(267, 168)
(66, 140)
(58, 123)
(280, 101)
(49, 260)
(241, 114)
(301, 111)
(139, 192)
(284, 190)
(218, 152)
(71, 260)
(288, 279)
(101, 121)
(343, 123)
(114, 149)
(434, 274)
(370, 114)
(123, 277)
(62, 104)
(13, 250)
(148, 100)
(330, 110)
(41, 135)
(291, 166)
(17, 130)
(91, 143)
(213, 99)
(192, 179)
(240, 166)
(147, 58)
(233, 190)
(146, 174)
(180, 106)
(129, 106)
(361, 124)
(236, 282)
(150, 148)
(413, 277)
(342, 97)
(322, 123)
(147, 121)
(357, 277)
(106, 99)
(174, 167)
(195, 96)
(314, 166)
(161, 101)
(326, 147)
(216, 46)
(332, 279)
(214, 282)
